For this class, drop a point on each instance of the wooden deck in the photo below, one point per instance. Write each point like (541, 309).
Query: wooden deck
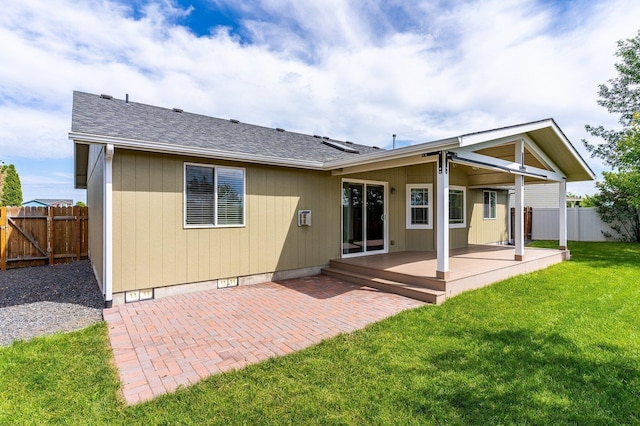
(413, 273)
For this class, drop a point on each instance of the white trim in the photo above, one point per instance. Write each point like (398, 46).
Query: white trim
(165, 148)
(215, 168)
(107, 273)
(507, 132)
(495, 199)
(386, 155)
(408, 206)
(508, 166)
(464, 206)
(463, 141)
(385, 220)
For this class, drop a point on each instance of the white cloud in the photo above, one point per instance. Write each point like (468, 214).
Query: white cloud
(357, 71)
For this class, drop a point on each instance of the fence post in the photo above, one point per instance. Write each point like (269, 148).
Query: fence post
(77, 231)
(51, 243)
(3, 238)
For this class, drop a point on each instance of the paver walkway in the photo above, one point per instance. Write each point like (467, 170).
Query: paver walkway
(161, 344)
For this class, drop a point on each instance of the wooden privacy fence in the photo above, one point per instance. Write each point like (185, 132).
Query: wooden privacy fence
(31, 236)
(528, 220)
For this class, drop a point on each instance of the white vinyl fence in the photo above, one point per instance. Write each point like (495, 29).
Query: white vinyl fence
(583, 224)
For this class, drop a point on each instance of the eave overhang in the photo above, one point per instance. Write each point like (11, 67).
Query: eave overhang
(544, 137)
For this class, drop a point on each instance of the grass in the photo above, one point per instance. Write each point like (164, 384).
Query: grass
(559, 346)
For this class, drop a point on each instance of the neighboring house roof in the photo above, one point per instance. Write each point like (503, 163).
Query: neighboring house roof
(48, 202)
(105, 120)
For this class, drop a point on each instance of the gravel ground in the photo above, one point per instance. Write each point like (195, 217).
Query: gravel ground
(47, 299)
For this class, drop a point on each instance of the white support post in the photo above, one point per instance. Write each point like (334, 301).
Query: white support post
(108, 227)
(442, 216)
(519, 204)
(562, 204)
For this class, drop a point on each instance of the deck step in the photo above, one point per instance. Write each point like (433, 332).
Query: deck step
(407, 290)
(374, 271)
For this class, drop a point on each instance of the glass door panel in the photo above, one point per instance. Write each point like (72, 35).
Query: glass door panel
(352, 217)
(375, 217)
(363, 221)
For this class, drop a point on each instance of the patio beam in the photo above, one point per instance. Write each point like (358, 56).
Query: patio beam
(504, 166)
(442, 216)
(388, 164)
(519, 204)
(562, 204)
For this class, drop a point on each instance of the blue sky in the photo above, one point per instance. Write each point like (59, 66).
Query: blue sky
(354, 70)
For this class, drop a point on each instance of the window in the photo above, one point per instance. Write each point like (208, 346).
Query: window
(214, 196)
(457, 207)
(419, 210)
(490, 202)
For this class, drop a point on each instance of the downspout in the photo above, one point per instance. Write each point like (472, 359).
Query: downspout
(107, 273)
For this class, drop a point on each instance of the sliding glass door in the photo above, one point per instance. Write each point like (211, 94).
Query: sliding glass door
(363, 217)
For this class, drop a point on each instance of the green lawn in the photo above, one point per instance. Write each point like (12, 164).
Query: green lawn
(559, 346)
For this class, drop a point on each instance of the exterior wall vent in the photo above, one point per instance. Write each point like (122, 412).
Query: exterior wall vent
(228, 282)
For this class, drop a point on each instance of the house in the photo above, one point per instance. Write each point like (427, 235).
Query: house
(48, 202)
(545, 196)
(181, 201)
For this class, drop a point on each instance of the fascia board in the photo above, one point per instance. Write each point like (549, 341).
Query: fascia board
(407, 151)
(193, 151)
(573, 150)
(476, 138)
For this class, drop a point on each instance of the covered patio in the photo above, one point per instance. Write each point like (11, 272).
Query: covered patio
(504, 159)
(414, 273)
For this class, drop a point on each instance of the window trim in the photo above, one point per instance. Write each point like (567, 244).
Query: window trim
(215, 168)
(495, 204)
(464, 206)
(409, 207)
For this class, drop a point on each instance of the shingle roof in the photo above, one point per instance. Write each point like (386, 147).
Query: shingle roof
(95, 115)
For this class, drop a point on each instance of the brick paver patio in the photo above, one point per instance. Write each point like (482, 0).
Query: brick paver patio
(161, 344)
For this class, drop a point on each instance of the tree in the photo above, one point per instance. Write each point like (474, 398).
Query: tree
(11, 189)
(618, 203)
(620, 95)
(588, 201)
(618, 200)
(80, 204)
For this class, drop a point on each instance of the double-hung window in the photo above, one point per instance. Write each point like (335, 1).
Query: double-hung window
(457, 207)
(213, 196)
(419, 206)
(489, 204)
